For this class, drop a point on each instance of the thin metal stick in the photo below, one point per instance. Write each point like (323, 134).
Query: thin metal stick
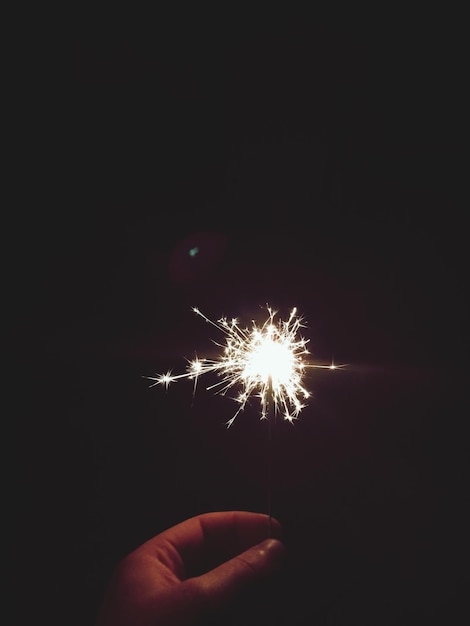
(270, 415)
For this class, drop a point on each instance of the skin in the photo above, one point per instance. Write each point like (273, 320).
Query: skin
(193, 571)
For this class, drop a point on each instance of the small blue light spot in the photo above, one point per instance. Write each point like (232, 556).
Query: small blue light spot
(193, 251)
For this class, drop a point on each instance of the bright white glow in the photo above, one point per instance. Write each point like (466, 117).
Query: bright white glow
(263, 361)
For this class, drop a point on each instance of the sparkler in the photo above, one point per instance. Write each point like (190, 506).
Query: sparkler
(267, 362)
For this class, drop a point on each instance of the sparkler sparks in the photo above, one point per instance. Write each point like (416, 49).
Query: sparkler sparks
(267, 362)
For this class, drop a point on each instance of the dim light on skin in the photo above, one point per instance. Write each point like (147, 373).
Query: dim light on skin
(267, 362)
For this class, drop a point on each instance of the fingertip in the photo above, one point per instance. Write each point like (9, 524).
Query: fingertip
(273, 544)
(273, 551)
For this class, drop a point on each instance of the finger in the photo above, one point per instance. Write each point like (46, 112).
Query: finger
(204, 541)
(225, 536)
(246, 571)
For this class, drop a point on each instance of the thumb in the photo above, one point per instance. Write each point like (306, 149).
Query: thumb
(226, 582)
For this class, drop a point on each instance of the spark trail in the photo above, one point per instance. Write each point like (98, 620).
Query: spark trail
(267, 362)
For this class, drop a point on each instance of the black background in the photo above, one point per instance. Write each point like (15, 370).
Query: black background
(316, 168)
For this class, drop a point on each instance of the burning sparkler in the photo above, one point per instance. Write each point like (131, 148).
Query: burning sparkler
(267, 362)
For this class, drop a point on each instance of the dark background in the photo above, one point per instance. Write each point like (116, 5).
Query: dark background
(316, 168)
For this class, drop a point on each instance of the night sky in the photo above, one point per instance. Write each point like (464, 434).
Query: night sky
(270, 164)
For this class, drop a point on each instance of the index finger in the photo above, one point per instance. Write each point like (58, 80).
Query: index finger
(200, 543)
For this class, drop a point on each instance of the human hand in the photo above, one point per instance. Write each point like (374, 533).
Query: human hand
(193, 570)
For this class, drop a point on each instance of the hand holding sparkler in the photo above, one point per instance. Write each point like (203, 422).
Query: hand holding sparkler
(192, 571)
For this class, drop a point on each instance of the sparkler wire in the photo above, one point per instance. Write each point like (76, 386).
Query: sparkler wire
(271, 416)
